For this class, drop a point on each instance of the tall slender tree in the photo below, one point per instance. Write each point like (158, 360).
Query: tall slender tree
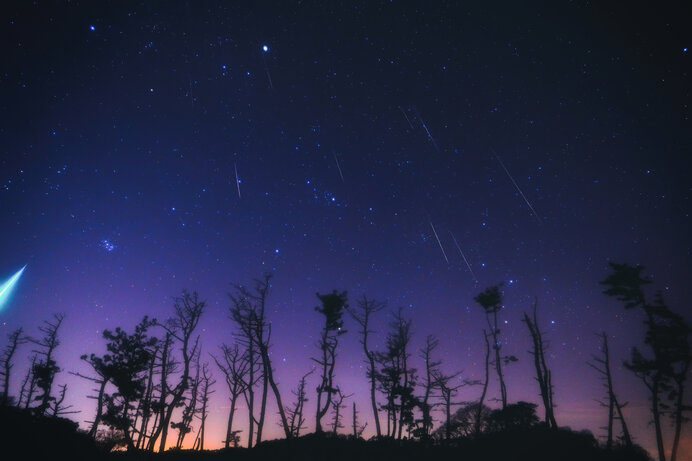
(296, 420)
(543, 374)
(444, 384)
(664, 372)
(235, 367)
(491, 302)
(248, 310)
(181, 327)
(207, 382)
(486, 380)
(362, 315)
(602, 366)
(396, 378)
(332, 308)
(431, 367)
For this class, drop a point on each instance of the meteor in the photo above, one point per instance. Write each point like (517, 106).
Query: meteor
(517, 187)
(6, 287)
(444, 253)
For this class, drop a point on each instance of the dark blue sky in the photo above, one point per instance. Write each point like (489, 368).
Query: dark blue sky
(361, 127)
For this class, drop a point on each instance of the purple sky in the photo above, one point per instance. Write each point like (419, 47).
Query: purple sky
(123, 126)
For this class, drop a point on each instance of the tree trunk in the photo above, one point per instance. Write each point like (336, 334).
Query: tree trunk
(498, 362)
(99, 409)
(485, 384)
(657, 419)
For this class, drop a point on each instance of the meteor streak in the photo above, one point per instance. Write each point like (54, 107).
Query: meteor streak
(339, 167)
(237, 180)
(517, 187)
(439, 243)
(462, 255)
(6, 288)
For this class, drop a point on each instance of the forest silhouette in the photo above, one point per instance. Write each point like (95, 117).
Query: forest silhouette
(153, 388)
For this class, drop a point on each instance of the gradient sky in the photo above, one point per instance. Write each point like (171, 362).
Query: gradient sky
(359, 127)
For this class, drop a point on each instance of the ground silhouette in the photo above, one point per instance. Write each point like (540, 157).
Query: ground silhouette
(24, 435)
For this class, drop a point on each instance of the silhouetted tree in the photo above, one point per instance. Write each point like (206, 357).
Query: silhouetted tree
(127, 358)
(26, 393)
(184, 426)
(241, 311)
(188, 310)
(146, 403)
(248, 310)
(235, 367)
(333, 306)
(165, 368)
(357, 428)
(602, 366)
(491, 301)
(447, 391)
(362, 315)
(57, 410)
(486, 380)
(464, 421)
(207, 382)
(431, 368)
(45, 368)
(338, 405)
(396, 379)
(520, 415)
(667, 335)
(15, 339)
(543, 374)
(296, 420)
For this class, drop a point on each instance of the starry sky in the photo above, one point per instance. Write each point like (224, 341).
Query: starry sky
(151, 147)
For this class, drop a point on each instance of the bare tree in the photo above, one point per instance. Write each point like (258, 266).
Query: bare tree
(15, 340)
(57, 410)
(248, 310)
(543, 374)
(167, 365)
(207, 382)
(333, 306)
(184, 426)
(431, 367)
(241, 311)
(479, 412)
(296, 420)
(396, 379)
(366, 308)
(491, 301)
(447, 392)
(26, 393)
(45, 369)
(357, 428)
(338, 406)
(146, 404)
(235, 367)
(188, 310)
(602, 366)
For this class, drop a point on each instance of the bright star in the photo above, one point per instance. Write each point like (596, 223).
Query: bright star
(265, 48)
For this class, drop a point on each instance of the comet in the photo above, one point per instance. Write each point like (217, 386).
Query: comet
(6, 287)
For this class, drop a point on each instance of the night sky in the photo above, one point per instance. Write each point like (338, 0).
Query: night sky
(151, 147)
